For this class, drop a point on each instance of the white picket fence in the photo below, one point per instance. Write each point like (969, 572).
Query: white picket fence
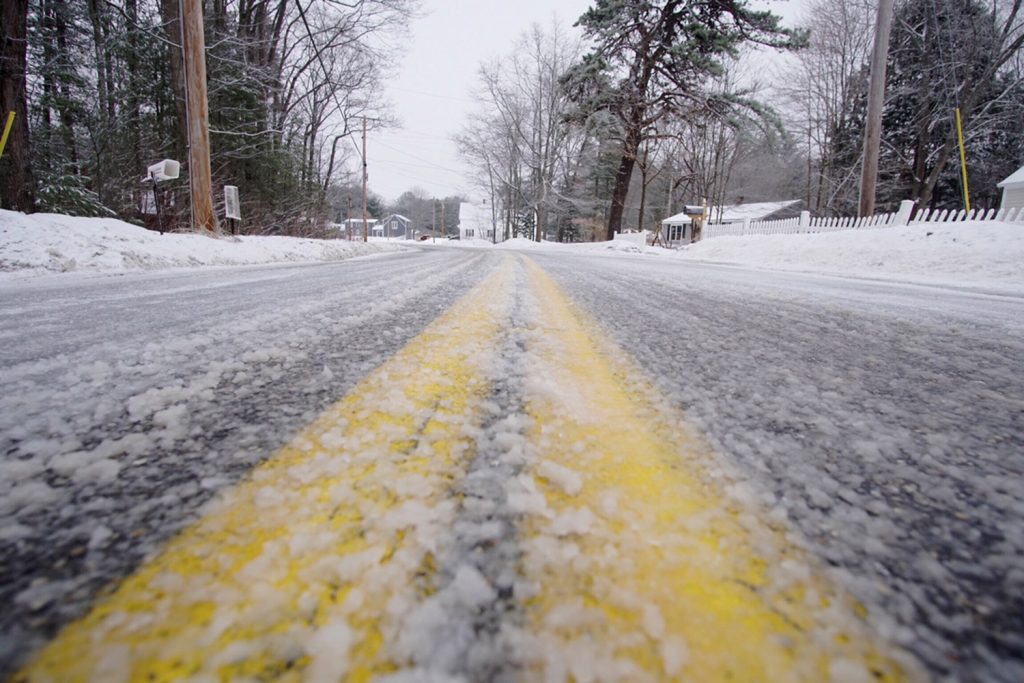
(806, 224)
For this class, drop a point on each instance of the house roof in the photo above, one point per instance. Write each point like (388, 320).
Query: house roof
(734, 213)
(1016, 179)
(394, 215)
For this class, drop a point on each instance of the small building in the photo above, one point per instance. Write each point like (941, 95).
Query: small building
(395, 225)
(475, 221)
(352, 228)
(1013, 190)
(684, 227)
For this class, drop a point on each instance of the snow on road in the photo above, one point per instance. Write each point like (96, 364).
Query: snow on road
(885, 420)
(126, 403)
(880, 423)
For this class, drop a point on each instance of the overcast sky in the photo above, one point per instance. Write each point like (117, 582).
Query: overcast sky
(435, 76)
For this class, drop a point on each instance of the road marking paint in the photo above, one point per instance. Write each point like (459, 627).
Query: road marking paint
(642, 567)
(304, 570)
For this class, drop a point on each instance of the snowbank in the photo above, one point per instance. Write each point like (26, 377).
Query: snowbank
(972, 253)
(51, 243)
(968, 253)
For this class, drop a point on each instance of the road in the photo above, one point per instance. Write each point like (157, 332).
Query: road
(547, 452)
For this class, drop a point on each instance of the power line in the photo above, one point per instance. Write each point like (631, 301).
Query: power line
(389, 162)
(413, 156)
(435, 95)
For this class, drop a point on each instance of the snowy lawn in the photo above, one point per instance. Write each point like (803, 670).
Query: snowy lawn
(972, 253)
(979, 253)
(39, 244)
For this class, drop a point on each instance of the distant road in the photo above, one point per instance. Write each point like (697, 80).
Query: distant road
(870, 433)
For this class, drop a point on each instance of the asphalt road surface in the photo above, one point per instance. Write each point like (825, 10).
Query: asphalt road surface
(873, 430)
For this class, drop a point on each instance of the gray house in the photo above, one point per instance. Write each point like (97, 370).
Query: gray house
(395, 225)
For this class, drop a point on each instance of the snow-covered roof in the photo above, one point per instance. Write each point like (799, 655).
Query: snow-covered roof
(734, 213)
(1016, 179)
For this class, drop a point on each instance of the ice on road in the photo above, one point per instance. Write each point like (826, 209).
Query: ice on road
(881, 423)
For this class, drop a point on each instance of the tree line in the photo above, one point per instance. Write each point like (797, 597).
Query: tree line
(656, 107)
(99, 94)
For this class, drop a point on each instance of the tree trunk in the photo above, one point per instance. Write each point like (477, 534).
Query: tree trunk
(135, 154)
(924, 198)
(17, 184)
(172, 25)
(623, 177)
(67, 118)
(643, 191)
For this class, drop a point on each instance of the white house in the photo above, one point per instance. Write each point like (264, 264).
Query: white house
(1013, 190)
(680, 228)
(352, 228)
(475, 221)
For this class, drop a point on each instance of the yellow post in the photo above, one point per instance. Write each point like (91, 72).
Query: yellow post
(963, 160)
(7, 132)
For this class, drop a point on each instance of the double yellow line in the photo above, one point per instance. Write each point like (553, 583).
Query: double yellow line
(635, 564)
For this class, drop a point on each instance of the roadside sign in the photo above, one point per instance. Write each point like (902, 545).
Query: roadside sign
(232, 209)
(148, 202)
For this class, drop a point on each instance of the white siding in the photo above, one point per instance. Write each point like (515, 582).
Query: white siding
(1013, 198)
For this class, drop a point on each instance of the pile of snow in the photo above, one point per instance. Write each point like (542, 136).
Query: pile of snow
(53, 243)
(972, 252)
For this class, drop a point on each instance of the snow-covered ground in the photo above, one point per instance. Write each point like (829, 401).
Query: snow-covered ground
(972, 253)
(988, 254)
(39, 244)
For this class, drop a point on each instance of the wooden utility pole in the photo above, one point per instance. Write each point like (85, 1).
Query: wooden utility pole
(443, 230)
(366, 232)
(876, 98)
(196, 105)
(433, 221)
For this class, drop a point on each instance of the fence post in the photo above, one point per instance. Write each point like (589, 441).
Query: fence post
(903, 215)
(746, 226)
(805, 221)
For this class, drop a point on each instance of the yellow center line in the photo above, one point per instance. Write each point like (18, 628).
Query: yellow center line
(642, 566)
(304, 570)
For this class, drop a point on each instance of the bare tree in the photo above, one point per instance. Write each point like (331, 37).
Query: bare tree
(519, 138)
(824, 88)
